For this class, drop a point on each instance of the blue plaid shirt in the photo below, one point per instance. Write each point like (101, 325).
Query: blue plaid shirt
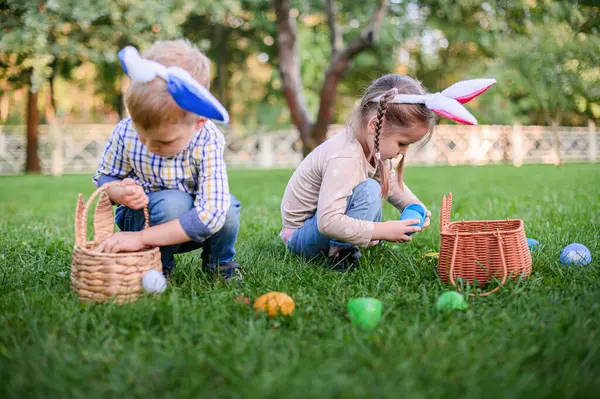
(198, 170)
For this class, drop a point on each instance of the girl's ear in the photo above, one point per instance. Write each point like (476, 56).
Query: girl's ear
(371, 124)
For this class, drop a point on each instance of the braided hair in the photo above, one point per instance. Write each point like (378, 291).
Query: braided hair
(381, 111)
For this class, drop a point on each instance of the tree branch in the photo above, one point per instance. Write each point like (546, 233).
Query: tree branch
(289, 66)
(335, 33)
(340, 62)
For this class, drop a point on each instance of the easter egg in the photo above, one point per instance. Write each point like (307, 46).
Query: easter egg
(275, 303)
(533, 244)
(451, 300)
(365, 312)
(154, 282)
(575, 254)
(414, 211)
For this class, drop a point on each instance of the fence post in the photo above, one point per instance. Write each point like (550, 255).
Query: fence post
(517, 145)
(1, 139)
(593, 147)
(57, 165)
(265, 157)
(430, 151)
(474, 137)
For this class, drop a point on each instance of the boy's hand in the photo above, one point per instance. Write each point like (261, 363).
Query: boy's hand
(131, 196)
(130, 241)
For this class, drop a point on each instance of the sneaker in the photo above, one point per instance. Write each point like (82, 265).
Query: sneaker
(167, 274)
(227, 272)
(346, 260)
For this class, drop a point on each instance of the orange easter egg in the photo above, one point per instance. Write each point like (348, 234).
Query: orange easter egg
(275, 303)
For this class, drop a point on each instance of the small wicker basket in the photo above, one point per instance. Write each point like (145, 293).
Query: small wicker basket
(104, 277)
(482, 250)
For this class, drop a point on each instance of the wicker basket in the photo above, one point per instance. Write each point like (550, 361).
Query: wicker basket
(482, 250)
(104, 277)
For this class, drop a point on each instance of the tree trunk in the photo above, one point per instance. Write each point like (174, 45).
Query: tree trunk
(52, 82)
(223, 71)
(4, 107)
(308, 141)
(50, 103)
(32, 161)
(314, 133)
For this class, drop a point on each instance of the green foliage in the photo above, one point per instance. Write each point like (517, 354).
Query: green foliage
(526, 44)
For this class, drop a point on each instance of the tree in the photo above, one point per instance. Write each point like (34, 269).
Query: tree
(549, 71)
(314, 132)
(43, 39)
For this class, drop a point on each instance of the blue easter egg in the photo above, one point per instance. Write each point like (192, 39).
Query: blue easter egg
(533, 244)
(575, 254)
(414, 211)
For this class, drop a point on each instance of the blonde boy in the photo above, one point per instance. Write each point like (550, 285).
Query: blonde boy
(171, 160)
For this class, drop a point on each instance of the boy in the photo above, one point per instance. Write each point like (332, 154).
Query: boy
(171, 160)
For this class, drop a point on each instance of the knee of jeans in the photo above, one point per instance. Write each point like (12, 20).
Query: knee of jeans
(370, 188)
(168, 205)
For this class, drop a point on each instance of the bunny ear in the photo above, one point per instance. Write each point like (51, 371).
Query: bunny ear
(192, 96)
(466, 90)
(185, 90)
(451, 109)
(138, 68)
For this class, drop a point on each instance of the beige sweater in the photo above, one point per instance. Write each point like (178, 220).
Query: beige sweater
(323, 182)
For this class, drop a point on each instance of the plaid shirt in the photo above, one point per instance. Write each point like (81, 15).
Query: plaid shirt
(198, 170)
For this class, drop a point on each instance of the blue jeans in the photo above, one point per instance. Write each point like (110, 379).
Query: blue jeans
(167, 205)
(364, 203)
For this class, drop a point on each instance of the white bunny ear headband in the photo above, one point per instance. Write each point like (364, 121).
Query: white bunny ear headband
(187, 92)
(449, 102)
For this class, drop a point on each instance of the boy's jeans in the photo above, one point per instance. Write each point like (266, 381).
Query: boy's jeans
(167, 205)
(364, 203)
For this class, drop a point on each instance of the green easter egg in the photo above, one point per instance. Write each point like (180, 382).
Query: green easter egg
(365, 312)
(451, 300)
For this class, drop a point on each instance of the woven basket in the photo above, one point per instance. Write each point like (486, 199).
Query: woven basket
(104, 277)
(482, 250)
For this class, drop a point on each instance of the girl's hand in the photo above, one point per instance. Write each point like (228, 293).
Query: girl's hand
(395, 230)
(130, 241)
(427, 221)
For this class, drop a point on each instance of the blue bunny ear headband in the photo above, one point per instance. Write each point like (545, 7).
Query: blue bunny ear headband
(187, 92)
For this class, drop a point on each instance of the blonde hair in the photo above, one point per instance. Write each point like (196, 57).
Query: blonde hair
(150, 104)
(402, 115)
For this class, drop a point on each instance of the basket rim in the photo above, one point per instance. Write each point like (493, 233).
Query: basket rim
(118, 254)
(462, 222)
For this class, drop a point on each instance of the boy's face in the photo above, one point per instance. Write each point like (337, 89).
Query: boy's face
(169, 140)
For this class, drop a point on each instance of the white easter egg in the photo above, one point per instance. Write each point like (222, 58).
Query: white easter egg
(154, 282)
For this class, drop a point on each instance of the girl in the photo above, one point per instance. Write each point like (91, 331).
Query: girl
(333, 201)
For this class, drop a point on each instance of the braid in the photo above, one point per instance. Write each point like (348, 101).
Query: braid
(381, 111)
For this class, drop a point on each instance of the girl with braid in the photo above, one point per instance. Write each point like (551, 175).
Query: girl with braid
(332, 204)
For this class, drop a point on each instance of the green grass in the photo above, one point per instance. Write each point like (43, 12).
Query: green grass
(536, 338)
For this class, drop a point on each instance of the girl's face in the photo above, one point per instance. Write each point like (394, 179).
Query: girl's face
(394, 141)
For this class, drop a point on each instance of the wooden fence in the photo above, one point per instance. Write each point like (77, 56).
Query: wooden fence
(78, 148)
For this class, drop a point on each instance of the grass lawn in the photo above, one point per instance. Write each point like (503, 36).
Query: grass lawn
(538, 338)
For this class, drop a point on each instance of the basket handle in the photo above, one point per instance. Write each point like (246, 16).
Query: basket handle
(445, 211)
(504, 269)
(81, 219)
